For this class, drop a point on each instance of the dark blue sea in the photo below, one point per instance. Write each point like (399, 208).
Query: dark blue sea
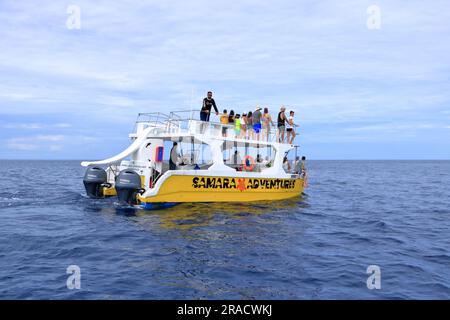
(392, 214)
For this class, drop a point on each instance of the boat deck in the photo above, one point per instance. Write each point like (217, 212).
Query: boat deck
(183, 124)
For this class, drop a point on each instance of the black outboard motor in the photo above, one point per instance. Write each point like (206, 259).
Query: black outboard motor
(95, 179)
(128, 185)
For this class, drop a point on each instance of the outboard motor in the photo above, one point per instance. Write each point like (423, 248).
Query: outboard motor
(128, 186)
(95, 179)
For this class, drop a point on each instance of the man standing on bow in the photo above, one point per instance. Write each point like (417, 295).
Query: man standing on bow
(208, 102)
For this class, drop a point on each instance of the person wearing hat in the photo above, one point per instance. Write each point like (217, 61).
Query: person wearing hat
(257, 121)
(281, 124)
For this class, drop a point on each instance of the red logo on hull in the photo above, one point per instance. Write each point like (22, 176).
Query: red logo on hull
(241, 185)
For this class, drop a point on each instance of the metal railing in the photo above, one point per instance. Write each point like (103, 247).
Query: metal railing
(179, 122)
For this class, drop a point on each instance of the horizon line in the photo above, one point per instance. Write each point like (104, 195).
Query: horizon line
(399, 159)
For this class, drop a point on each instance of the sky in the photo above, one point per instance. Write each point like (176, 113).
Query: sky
(361, 89)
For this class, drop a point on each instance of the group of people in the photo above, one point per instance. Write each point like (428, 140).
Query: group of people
(259, 161)
(298, 167)
(250, 125)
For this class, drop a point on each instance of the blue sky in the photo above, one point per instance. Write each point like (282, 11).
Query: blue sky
(358, 93)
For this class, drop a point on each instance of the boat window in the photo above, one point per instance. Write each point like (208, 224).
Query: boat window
(247, 157)
(291, 162)
(192, 155)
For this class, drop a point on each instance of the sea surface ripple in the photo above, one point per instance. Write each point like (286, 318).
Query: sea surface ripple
(393, 214)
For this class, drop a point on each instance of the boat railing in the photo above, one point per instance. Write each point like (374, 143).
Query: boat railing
(163, 122)
(184, 122)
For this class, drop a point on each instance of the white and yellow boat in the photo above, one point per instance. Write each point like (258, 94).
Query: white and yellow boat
(210, 168)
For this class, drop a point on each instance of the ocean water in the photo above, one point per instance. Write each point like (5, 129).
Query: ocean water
(393, 214)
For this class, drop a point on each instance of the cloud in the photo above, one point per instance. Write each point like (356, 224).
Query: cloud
(318, 58)
(24, 126)
(63, 125)
(53, 143)
(16, 96)
(20, 145)
(52, 138)
(38, 142)
(35, 126)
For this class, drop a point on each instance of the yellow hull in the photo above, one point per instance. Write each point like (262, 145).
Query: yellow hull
(182, 188)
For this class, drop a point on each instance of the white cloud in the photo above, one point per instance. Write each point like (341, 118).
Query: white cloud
(35, 126)
(52, 138)
(55, 147)
(63, 125)
(317, 57)
(38, 142)
(16, 96)
(24, 126)
(20, 145)
(53, 143)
